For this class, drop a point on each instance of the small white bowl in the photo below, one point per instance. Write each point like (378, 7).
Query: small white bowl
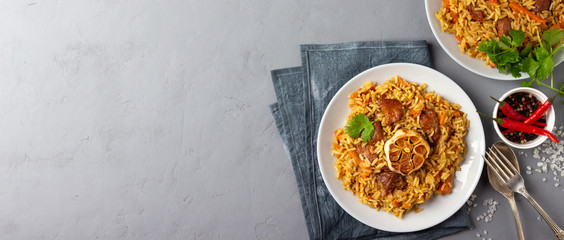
(550, 118)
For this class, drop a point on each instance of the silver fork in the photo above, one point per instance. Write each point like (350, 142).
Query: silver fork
(514, 181)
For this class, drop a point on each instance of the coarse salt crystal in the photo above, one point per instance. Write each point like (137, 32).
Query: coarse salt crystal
(544, 179)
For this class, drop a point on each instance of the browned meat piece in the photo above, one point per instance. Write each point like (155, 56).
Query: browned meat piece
(541, 5)
(429, 120)
(378, 133)
(393, 110)
(369, 151)
(476, 14)
(391, 181)
(503, 26)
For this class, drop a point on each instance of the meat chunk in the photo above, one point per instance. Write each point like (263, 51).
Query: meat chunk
(378, 133)
(428, 119)
(541, 5)
(476, 14)
(430, 122)
(369, 150)
(391, 181)
(503, 26)
(392, 109)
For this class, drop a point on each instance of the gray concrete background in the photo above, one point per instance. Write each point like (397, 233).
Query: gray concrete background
(149, 119)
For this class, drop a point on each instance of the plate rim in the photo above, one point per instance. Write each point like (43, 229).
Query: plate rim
(480, 149)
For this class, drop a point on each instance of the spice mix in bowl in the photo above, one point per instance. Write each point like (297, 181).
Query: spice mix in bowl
(524, 105)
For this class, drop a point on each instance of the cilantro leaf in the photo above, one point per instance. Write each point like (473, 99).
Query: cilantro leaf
(530, 66)
(541, 53)
(545, 68)
(510, 56)
(360, 125)
(525, 51)
(524, 83)
(552, 37)
(518, 37)
(505, 42)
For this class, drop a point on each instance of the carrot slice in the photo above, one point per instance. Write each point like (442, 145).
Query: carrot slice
(442, 118)
(520, 9)
(494, 3)
(355, 156)
(446, 4)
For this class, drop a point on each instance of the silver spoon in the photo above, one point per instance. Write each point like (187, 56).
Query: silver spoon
(498, 185)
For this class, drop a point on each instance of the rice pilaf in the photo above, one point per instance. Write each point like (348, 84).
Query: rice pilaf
(472, 21)
(363, 167)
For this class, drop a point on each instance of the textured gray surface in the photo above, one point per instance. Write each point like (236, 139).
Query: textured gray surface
(149, 119)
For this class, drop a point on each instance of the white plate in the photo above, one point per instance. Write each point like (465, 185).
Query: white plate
(438, 208)
(449, 43)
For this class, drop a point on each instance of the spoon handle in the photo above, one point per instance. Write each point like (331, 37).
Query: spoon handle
(516, 217)
(558, 232)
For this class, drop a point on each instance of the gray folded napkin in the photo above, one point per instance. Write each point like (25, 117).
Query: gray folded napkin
(302, 94)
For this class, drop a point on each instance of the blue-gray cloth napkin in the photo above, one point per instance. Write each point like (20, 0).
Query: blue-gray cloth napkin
(302, 94)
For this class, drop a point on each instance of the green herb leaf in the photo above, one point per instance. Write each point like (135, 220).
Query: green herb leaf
(525, 52)
(360, 125)
(505, 42)
(541, 52)
(518, 37)
(510, 56)
(545, 68)
(524, 83)
(552, 37)
(530, 66)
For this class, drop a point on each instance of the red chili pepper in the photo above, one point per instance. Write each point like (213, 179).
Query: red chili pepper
(519, 126)
(512, 114)
(540, 111)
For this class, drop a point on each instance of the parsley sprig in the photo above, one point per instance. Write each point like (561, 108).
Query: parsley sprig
(360, 125)
(512, 55)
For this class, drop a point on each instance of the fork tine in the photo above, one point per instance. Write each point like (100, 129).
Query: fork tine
(504, 164)
(496, 172)
(495, 165)
(508, 163)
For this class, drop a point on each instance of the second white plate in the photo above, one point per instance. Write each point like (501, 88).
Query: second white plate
(449, 43)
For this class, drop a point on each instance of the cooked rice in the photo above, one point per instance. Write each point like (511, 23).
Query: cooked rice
(439, 168)
(455, 18)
